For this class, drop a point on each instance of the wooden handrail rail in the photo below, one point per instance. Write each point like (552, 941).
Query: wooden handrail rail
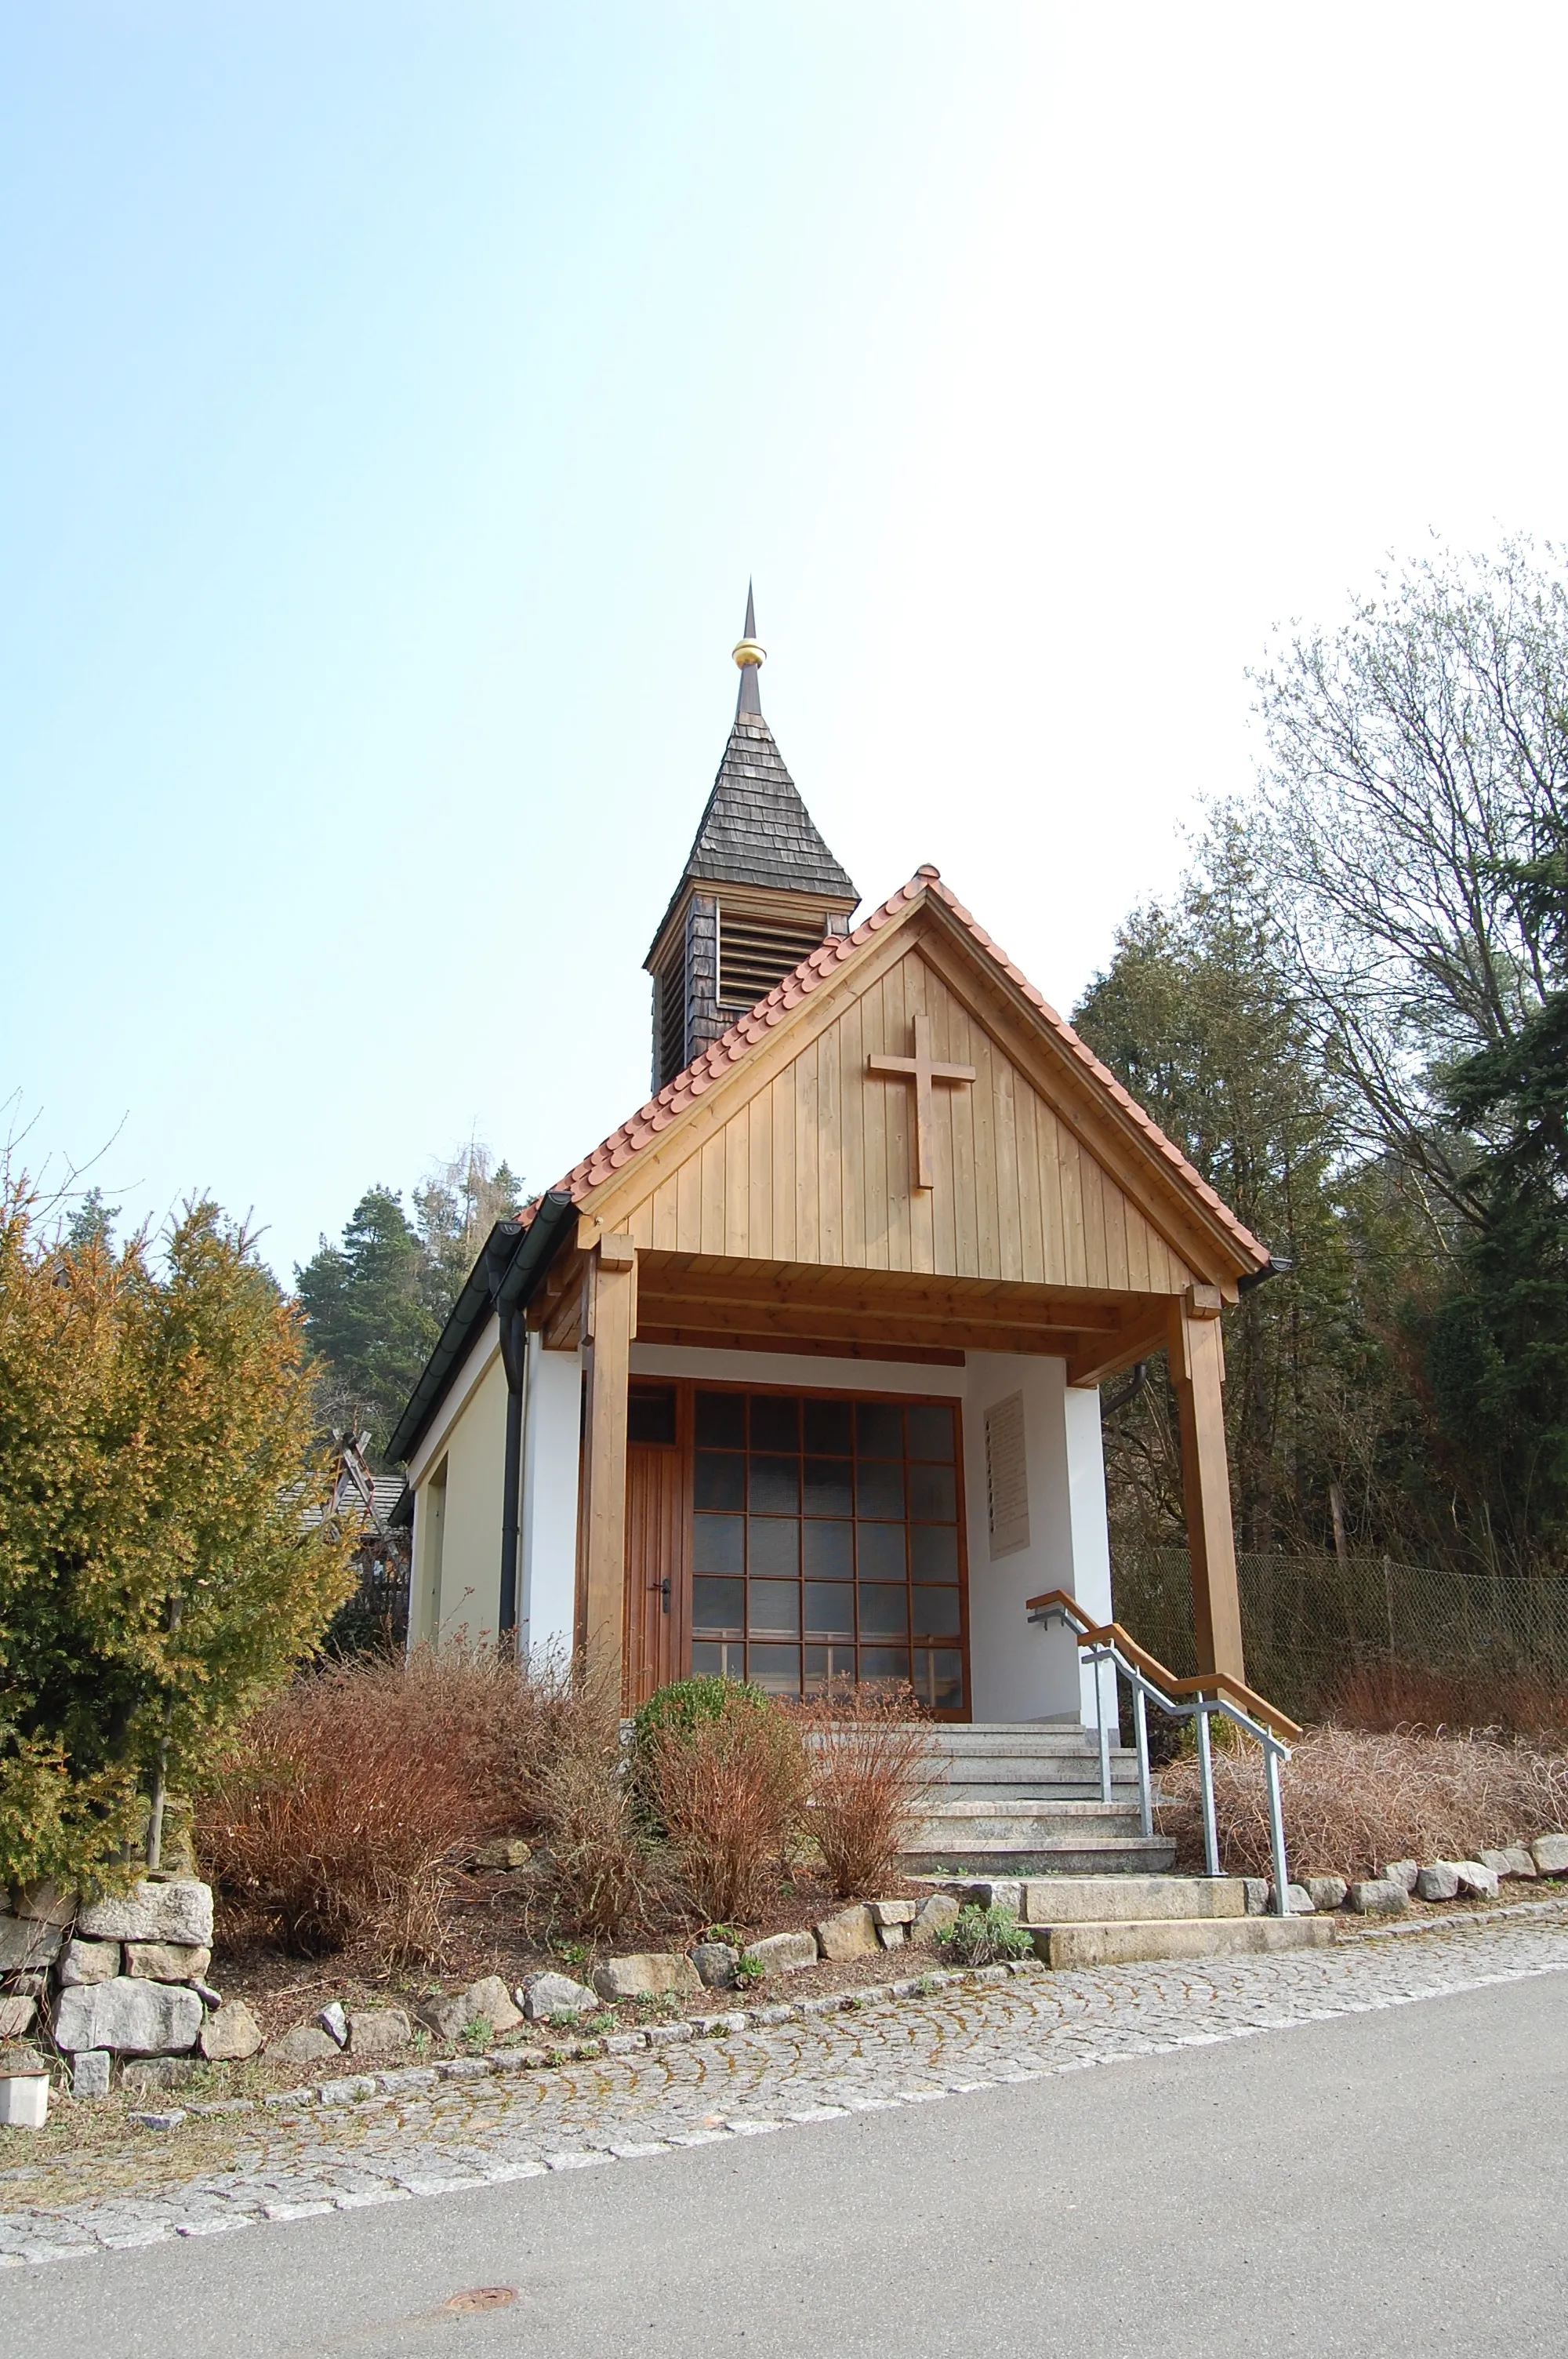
(1112, 1633)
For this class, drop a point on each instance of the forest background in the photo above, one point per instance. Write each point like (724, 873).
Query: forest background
(1353, 1018)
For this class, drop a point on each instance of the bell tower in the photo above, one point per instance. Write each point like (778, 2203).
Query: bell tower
(760, 889)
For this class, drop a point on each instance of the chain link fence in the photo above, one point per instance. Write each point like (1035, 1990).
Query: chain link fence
(1307, 1620)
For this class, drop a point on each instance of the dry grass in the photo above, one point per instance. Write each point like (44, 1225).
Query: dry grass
(1355, 1799)
(348, 1792)
(729, 1792)
(1391, 1696)
(870, 1779)
(604, 1876)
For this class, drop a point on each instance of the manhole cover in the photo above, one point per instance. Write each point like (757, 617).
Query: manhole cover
(483, 2298)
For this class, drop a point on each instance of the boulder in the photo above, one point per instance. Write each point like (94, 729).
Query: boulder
(49, 1902)
(154, 1911)
(1402, 1872)
(306, 2044)
(165, 1961)
(1002, 1891)
(1438, 1882)
(90, 2072)
(1298, 1900)
(1515, 1861)
(89, 1962)
(379, 2031)
(157, 2073)
(649, 1974)
(334, 2022)
(1327, 1891)
(232, 2035)
(849, 1933)
(27, 1942)
(547, 1997)
(893, 1936)
(1475, 1882)
(507, 1850)
(935, 1917)
(715, 1963)
(893, 1912)
(487, 2001)
(17, 2016)
(132, 2018)
(784, 1953)
(1380, 1896)
(1550, 1853)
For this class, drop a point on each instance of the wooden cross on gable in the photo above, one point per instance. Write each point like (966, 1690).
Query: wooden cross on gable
(923, 1070)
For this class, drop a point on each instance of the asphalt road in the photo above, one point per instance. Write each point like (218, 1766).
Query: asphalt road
(1392, 2183)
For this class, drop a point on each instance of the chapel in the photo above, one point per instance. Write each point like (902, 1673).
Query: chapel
(795, 1376)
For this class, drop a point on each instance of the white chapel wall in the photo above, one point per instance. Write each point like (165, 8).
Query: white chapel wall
(470, 1591)
(546, 1600)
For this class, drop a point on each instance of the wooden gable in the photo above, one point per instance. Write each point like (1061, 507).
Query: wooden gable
(803, 1155)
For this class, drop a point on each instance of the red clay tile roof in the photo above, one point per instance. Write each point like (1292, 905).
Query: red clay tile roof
(615, 1152)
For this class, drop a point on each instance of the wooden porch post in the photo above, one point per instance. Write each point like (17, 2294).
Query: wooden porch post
(1197, 1370)
(610, 1324)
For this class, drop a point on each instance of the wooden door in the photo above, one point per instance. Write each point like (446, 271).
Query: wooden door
(659, 1587)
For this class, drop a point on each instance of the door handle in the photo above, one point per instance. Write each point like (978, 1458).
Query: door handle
(664, 1589)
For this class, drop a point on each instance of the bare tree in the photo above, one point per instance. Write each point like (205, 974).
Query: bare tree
(1411, 753)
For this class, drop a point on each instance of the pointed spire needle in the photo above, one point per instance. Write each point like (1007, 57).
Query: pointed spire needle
(751, 657)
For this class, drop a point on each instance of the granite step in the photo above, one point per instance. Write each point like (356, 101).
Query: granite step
(1118, 1942)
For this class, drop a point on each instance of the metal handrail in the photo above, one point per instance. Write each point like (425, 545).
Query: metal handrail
(1197, 1699)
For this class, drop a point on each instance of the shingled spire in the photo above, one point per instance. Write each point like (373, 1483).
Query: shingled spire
(760, 888)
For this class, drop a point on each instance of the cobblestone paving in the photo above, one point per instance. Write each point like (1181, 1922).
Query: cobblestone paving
(972, 2032)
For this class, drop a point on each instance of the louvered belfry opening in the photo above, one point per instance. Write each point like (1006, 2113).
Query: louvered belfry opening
(759, 891)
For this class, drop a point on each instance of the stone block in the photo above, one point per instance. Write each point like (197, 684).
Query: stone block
(487, 2001)
(506, 1852)
(784, 1953)
(1255, 1895)
(306, 2044)
(350, 2091)
(1380, 1896)
(28, 1943)
(1550, 1853)
(90, 2072)
(334, 2022)
(169, 2119)
(379, 2031)
(1475, 1882)
(935, 1917)
(179, 1909)
(24, 2100)
(1327, 1891)
(1438, 1882)
(165, 1961)
(17, 2016)
(715, 1963)
(650, 1973)
(1299, 1901)
(893, 1936)
(157, 2073)
(134, 2019)
(547, 1997)
(47, 1902)
(89, 1962)
(999, 1892)
(1402, 1872)
(1515, 1861)
(893, 1912)
(848, 1933)
(231, 2035)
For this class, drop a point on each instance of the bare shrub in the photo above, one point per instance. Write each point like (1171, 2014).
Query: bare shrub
(1389, 1696)
(604, 1874)
(728, 1790)
(347, 1793)
(868, 1758)
(1355, 1799)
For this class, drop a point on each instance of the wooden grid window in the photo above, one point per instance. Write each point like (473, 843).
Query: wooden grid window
(826, 1542)
(756, 951)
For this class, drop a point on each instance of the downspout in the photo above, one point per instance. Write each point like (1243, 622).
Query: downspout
(512, 1276)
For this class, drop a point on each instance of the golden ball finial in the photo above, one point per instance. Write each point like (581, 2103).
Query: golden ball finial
(750, 651)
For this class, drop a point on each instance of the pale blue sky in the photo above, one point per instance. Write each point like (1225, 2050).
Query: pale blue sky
(397, 398)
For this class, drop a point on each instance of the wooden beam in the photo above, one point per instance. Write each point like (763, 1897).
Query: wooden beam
(1102, 1356)
(936, 1301)
(650, 1330)
(1197, 1370)
(602, 1573)
(951, 1334)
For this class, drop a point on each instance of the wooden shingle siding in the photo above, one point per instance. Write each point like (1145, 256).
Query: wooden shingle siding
(815, 1164)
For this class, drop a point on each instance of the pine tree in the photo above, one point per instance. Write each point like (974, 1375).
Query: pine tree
(369, 1314)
